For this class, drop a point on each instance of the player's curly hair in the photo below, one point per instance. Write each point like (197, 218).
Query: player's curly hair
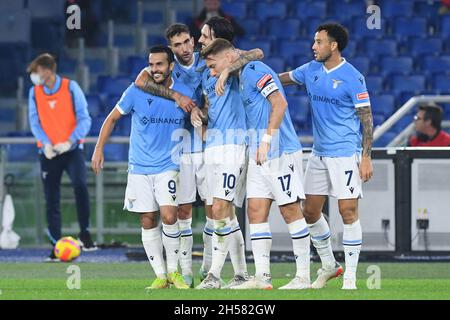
(336, 32)
(222, 28)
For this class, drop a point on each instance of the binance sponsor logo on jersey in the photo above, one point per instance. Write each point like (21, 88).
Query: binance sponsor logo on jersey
(324, 99)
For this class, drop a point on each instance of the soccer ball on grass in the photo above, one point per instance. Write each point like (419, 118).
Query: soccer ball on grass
(67, 249)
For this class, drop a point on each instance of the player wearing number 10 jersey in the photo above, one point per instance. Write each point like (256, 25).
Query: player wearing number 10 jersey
(275, 164)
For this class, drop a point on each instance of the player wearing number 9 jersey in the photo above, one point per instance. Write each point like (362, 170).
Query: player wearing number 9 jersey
(339, 106)
(153, 165)
(275, 165)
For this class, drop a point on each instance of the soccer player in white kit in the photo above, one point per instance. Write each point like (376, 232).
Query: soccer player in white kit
(339, 106)
(153, 169)
(275, 167)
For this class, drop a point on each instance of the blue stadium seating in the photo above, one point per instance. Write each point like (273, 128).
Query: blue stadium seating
(284, 28)
(50, 10)
(265, 10)
(384, 140)
(378, 119)
(299, 109)
(415, 27)
(153, 16)
(441, 83)
(237, 10)
(184, 17)
(252, 27)
(112, 86)
(394, 9)
(436, 65)
(396, 65)
(22, 153)
(96, 65)
(276, 63)
(94, 105)
(382, 104)
(415, 84)
(290, 48)
(376, 48)
(426, 8)
(47, 35)
(362, 64)
(374, 84)
(360, 31)
(264, 45)
(135, 64)
(314, 9)
(155, 40)
(349, 9)
(444, 27)
(429, 46)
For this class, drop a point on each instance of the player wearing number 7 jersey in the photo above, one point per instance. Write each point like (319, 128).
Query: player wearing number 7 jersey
(275, 164)
(339, 105)
(153, 165)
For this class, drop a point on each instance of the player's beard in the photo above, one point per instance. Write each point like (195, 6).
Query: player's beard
(162, 79)
(324, 59)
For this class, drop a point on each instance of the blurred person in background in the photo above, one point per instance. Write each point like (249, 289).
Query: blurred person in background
(428, 128)
(59, 120)
(445, 7)
(212, 9)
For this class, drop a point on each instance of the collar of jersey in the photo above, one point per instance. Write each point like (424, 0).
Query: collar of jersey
(335, 68)
(186, 67)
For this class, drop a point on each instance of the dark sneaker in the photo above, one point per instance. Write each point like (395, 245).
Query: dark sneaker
(85, 240)
(51, 257)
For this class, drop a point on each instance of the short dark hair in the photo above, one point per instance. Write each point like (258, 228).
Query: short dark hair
(45, 60)
(336, 32)
(215, 47)
(163, 49)
(434, 113)
(175, 29)
(222, 28)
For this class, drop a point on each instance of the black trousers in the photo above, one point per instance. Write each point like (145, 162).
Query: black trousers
(71, 162)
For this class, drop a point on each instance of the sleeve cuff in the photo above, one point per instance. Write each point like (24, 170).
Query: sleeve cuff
(361, 105)
(291, 75)
(120, 110)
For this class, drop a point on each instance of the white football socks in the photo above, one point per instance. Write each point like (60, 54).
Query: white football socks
(321, 239)
(352, 241)
(220, 244)
(301, 246)
(237, 248)
(151, 239)
(171, 242)
(186, 242)
(207, 244)
(261, 245)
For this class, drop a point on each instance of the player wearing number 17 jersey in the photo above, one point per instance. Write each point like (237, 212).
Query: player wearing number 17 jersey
(339, 105)
(275, 164)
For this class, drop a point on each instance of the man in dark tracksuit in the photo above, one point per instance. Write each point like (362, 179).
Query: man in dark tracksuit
(59, 120)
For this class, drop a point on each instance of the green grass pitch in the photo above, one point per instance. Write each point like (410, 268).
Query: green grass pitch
(128, 280)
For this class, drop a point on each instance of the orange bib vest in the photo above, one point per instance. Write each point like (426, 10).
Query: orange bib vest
(56, 112)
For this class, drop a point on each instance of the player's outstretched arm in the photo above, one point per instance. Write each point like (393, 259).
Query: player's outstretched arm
(244, 58)
(107, 127)
(279, 105)
(146, 83)
(365, 167)
(285, 79)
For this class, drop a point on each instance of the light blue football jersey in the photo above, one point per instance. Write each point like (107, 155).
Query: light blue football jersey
(226, 114)
(191, 78)
(257, 82)
(157, 126)
(334, 95)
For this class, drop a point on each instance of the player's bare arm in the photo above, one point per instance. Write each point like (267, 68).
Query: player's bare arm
(285, 79)
(244, 58)
(365, 167)
(107, 127)
(199, 117)
(147, 84)
(279, 105)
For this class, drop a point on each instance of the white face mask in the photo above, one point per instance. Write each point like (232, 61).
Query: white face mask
(36, 79)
